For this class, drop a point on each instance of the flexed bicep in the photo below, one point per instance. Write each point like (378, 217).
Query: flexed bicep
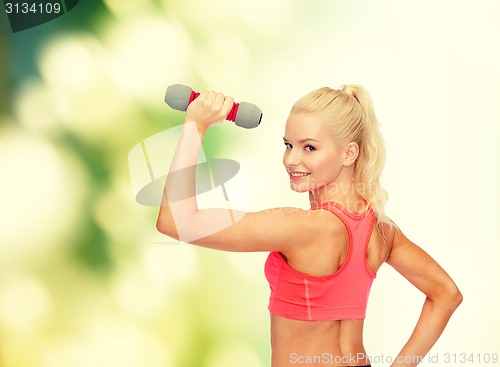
(277, 229)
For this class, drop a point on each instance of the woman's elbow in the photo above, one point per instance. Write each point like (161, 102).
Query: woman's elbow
(456, 298)
(166, 228)
(451, 297)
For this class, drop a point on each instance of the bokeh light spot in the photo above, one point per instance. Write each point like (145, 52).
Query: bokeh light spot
(40, 193)
(25, 304)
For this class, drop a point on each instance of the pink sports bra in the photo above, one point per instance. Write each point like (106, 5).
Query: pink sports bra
(339, 296)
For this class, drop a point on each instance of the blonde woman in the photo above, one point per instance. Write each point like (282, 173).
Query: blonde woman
(322, 261)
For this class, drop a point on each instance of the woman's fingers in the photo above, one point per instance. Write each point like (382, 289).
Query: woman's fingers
(219, 101)
(205, 98)
(228, 104)
(209, 108)
(212, 100)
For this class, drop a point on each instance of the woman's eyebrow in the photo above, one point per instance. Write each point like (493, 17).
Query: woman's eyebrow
(303, 140)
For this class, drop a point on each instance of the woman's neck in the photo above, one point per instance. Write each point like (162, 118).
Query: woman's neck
(342, 192)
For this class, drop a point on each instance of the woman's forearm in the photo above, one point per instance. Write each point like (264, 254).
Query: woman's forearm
(179, 216)
(433, 319)
(180, 185)
(179, 199)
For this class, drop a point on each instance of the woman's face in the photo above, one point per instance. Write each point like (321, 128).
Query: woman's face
(312, 159)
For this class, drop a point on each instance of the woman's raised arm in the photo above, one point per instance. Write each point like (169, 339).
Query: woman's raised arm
(179, 217)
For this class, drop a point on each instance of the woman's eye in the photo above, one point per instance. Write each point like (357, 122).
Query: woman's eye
(309, 148)
(288, 145)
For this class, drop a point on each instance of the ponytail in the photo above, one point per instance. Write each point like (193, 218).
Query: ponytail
(353, 120)
(370, 162)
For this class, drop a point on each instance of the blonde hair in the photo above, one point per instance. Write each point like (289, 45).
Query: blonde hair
(352, 119)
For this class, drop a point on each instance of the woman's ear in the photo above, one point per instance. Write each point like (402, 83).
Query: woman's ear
(351, 152)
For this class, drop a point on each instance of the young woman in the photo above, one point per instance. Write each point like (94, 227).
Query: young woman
(322, 261)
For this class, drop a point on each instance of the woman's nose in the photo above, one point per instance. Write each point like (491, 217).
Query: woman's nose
(291, 158)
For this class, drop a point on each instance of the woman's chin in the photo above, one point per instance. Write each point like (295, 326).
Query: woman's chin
(299, 187)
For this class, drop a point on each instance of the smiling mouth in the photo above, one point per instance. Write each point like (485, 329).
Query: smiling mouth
(298, 174)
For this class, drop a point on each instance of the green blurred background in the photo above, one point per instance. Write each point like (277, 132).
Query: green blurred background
(86, 281)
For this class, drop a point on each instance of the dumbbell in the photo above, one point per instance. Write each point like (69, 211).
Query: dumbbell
(243, 114)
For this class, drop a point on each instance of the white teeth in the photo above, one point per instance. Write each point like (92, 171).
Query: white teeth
(296, 174)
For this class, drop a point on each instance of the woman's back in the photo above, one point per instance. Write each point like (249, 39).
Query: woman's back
(336, 342)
